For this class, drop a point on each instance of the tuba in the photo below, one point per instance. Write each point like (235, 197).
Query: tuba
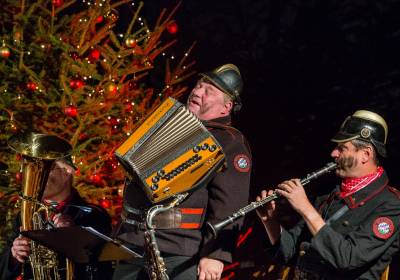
(39, 152)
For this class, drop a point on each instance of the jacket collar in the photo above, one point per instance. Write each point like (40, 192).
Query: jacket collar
(365, 194)
(219, 121)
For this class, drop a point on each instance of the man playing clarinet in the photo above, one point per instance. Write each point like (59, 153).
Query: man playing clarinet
(352, 233)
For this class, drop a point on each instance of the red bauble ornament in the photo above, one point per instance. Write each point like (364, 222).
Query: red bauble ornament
(18, 177)
(31, 86)
(94, 55)
(105, 203)
(83, 136)
(20, 277)
(172, 28)
(57, 3)
(71, 111)
(78, 172)
(5, 52)
(99, 19)
(74, 55)
(76, 83)
(128, 107)
(95, 179)
(132, 85)
(113, 121)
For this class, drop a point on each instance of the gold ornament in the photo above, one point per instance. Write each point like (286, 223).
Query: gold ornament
(5, 52)
(111, 90)
(130, 42)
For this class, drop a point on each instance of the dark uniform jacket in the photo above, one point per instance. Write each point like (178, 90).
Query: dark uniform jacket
(97, 218)
(356, 245)
(226, 192)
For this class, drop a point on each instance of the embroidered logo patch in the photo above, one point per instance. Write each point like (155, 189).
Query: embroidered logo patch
(242, 163)
(383, 227)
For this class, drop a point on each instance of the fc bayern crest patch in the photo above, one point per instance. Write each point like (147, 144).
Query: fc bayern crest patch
(383, 227)
(242, 163)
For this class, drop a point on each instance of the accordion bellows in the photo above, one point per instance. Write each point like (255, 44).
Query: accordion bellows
(171, 152)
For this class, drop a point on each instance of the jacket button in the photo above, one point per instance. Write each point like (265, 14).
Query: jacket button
(346, 223)
(302, 253)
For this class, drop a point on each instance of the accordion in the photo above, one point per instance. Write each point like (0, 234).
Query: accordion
(170, 152)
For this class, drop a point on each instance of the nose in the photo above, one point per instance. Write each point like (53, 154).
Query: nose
(196, 92)
(335, 153)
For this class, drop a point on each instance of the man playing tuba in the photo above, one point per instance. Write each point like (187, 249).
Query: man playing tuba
(59, 193)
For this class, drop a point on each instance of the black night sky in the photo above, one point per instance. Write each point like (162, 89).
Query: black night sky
(306, 66)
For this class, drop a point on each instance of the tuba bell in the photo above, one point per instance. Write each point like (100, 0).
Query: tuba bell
(39, 152)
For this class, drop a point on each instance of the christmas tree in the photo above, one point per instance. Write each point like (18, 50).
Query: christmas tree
(68, 70)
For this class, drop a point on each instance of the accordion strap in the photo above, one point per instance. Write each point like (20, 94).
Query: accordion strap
(211, 124)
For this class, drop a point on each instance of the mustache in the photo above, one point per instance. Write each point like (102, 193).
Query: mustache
(346, 162)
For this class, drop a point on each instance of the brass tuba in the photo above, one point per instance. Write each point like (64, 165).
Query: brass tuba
(39, 152)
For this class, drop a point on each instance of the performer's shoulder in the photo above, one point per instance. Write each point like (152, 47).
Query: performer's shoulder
(394, 191)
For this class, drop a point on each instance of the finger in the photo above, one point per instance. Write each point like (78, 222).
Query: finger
(282, 192)
(285, 187)
(22, 248)
(22, 253)
(21, 242)
(202, 276)
(56, 218)
(20, 259)
(297, 182)
(263, 193)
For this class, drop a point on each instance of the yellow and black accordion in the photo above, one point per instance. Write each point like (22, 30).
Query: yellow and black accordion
(171, 152)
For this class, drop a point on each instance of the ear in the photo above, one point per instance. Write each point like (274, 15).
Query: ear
(367, 154)
(228, 107)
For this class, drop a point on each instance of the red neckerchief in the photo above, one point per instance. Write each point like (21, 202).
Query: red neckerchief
(352, 185)
(59, 206)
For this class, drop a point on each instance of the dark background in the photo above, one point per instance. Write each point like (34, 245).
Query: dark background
(306, 65)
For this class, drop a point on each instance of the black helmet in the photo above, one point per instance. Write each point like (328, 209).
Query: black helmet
(366, 126)
(227, 78)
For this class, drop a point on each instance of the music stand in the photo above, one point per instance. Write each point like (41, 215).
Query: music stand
(82, 244)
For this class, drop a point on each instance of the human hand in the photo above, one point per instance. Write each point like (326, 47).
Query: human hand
(21, 249)
(266, 212)
(294, 192)
(209, 269)
(62, 220)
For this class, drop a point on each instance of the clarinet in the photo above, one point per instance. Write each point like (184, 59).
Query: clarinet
(254, 205)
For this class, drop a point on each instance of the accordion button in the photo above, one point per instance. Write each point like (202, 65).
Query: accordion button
(196, 149)
(204, 146)
(154, 187)
(212, 148)
(155, 179)
(161, 173)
